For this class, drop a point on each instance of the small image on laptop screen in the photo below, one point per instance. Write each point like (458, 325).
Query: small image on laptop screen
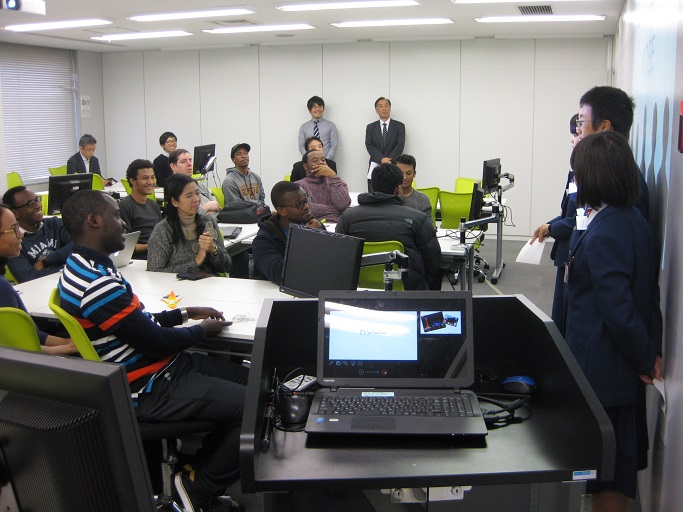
(395, 339)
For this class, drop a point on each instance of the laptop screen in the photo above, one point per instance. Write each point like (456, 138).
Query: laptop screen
(395, 339)
(320, 260)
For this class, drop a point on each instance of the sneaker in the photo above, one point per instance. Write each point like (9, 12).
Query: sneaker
(193, 503)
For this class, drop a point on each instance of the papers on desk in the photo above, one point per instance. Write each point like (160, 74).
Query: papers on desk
(531, 254)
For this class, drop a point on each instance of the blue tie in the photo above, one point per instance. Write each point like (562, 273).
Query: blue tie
(316, 133)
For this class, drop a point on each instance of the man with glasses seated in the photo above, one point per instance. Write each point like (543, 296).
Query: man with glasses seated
(46, 244)
(291, 207)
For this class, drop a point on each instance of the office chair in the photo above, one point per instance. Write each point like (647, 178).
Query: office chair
(373, 276)
(57, 171)
(97, 182)
(9, 276)
(454, 206)
(433, 194)
(17, 330)
(218, 194)
(166, 432)
(14, 180)
(465, 184)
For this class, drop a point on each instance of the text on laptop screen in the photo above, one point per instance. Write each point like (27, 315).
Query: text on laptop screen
(392, 338)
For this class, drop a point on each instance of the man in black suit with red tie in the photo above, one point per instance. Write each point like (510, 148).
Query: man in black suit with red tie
(385, 138)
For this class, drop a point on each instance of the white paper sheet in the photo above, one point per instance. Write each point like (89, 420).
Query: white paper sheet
(531, 254)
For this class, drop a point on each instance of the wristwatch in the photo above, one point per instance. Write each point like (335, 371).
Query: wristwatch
(184, 314)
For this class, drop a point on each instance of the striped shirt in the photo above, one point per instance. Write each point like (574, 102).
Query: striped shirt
(94, 292)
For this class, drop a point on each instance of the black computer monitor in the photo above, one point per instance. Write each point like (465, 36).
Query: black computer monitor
(318, 260)
(476, 205)
(204, 158)
(61, 188)
(68, 436)
(491, 175)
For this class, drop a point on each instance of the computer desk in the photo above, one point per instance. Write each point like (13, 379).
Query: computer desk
(565, 437)
(240, 300)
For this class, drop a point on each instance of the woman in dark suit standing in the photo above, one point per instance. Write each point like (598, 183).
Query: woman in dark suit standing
(613, 322)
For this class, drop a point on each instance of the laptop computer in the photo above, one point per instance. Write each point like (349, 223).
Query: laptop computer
(231, 232)
(123, 257)
(384, 345)
(318, 260)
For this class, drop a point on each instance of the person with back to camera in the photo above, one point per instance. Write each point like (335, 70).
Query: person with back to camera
(614, 324)
(561, 228)
(167, 383)
(10, 246)
(311, 144)
(318, 127)
(380, 215)
(162, 168)
(186, 240)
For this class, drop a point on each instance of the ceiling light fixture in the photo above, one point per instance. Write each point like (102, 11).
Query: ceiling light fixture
(53, 25)
(392, 23)
(348, 5)
(141, 35)
(190, 15)
(539, 18)
(258, 28)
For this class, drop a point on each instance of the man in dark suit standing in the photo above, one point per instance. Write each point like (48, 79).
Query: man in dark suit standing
(385, 138)
(85, 160)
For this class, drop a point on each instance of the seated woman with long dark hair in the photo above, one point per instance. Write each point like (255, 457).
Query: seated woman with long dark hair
(10, 246)
(186, 240)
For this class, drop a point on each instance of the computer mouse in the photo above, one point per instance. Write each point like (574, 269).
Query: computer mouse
(294, 409)
(519, 385)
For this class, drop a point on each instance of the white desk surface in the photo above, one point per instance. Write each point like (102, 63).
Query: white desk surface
(231, 296)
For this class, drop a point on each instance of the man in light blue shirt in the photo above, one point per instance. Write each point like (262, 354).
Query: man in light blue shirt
(318, 127)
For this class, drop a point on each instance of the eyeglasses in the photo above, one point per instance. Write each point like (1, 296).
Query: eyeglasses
(15, 229)
(171, 141)
(298, 205)
(579, 122)
(31, 204)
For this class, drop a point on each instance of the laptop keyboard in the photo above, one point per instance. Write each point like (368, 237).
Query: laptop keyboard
(454, 405)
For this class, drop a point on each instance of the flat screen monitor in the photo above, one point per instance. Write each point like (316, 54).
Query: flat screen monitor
(68, 436)
(61, 188)
(204, 158)
(491, 175)
(477, 204)
(318, 260)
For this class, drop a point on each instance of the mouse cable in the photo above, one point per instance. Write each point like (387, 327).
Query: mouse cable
(505, 414)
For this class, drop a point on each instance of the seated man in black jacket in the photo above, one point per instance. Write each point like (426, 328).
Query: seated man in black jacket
(311, 144)
(380, 215)
(291, 207)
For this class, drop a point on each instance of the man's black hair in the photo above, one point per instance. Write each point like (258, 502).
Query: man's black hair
(165, 136)
(315, 100)
(610, 104)
(277, 194)
(135, 166)
(310, 139)
(8, 198)
(406, 160)
(386, 178)
(572, 124)
(77, 208)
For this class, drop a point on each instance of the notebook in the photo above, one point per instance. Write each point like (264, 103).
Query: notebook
(318, 260)
(395, 344)
(123, 257)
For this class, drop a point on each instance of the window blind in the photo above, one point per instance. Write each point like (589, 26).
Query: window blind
(39, 109)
